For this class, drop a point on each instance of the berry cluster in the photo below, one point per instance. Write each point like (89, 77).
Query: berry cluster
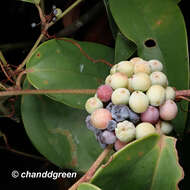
(133, 99)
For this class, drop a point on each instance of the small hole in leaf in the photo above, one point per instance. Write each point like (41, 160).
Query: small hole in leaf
(150, 43)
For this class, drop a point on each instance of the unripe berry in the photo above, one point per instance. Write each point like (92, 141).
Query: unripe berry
(125, 131)
(120, 96)
(100, 118)
(151, 115)
(113, 69)
(135, 60)
(119, 80)
(170, 93)
(166, 128)
(57, 12)
(142, 67)
(155, 65)
(168, 110)
(125, 67)
(141, 81)
(144, 129)
(119, 145)
(108, 137)
(104, 93)
(92, 104)
(138, 102)
(159, 78)
(108, 80)
(130, 88)
(156, 95)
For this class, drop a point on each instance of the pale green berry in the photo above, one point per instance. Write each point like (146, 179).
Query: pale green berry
(138, 102)
(130, 88)
(156, 95)
(92, 104)
(108, 80)
(119, 80)
(125, 131)
(159, 78)
(135, 60)
(170, 93)
(126, 67)
(58, 12)
(142, 67)
(113, 69)
(141, 81)
(155, 65)
(166, 128)
(144, 129)
(120, 96)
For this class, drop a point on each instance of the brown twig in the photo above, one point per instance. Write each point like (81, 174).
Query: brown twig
(182, 93)
(89, 174)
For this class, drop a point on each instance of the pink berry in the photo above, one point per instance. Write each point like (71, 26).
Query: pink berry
(151, 115)
(100, 118)
(168, 110)
(104, 93)
(118, 145)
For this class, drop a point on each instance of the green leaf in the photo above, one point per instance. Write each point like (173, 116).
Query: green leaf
(58, 64)
(124, 48)
(148, 163)
(87, 186)
(162, 23)
(59, 132)
(31, 1)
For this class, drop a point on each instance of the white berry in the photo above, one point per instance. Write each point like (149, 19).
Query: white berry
(138, 102)
(125, 131)
(120, 96)
(113, 69)
(155, 65)
(156, 95)
(92, 104)
(144, 129)
(142, 67)
(159, 78)
(166, 128)
(129, 87)
(108, 80)
(125, 67)
(170, 93)
(135, 60)
(119, 80)
(141, 81)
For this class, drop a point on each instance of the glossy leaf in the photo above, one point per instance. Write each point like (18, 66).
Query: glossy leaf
(31, 1)
(59, 132)
(58, 64)
(87, 186)
(124, 48)
(158, 29)
(148, 163)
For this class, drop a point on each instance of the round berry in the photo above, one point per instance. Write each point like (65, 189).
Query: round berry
(119, 112)
(125, 131)
(151, 115)
(133, 117)
(89, 125)
(138, 102)
(135, 60)
(92, 104)
(141, 81)
(104, 93)
(170, 93)
(166, 128)
(168, 110)
(155, 65)
(100, 118)
(119, 145)
(120, 96)
(159, 78)
(144, 129)
(119, 80)
(113, 69)
(111, 125)
(108, 137)
(108, 80)
(156, 95)
(33, 25)
(57, 12)
(125, 67)
(142, 67)
(130, 88)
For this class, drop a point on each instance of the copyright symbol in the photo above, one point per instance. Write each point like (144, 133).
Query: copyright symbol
(15, 174)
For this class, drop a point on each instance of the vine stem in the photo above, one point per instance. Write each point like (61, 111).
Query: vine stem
(89, 174)
(182, 93)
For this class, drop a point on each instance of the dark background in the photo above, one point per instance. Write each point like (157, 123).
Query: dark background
(15, 19)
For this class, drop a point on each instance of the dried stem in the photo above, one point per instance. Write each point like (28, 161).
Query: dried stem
(182, 93)
(89, 174)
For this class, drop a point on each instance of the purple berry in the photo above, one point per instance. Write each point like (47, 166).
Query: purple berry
(134, 117)
(111, 125)
(89, 125)
(110, 106)
(120, 112)
(107, 137)
(98, 138)
(151, 115)
(104, 93)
